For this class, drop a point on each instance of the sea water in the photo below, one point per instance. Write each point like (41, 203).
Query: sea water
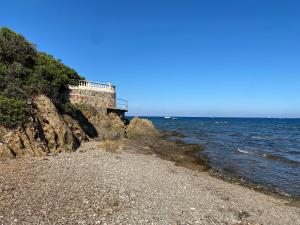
(262, 151)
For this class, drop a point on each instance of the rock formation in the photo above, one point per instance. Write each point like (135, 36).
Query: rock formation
(141, 127)
(47, 131)
(109, 126)
(50, 131)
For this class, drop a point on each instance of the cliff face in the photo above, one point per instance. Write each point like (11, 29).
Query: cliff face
(47, 131)
(108, 127)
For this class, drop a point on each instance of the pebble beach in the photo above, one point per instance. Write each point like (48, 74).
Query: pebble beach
(93, 186)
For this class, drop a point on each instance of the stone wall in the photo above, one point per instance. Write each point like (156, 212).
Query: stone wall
(96, 99)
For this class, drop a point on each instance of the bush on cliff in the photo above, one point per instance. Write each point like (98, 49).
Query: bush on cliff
(25, 72)
(13, 112)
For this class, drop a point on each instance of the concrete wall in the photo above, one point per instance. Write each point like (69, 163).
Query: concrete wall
(97, 99)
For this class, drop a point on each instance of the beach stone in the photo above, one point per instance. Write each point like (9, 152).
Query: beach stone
(97, 187)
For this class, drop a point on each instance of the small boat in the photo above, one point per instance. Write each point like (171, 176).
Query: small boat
(167, 117)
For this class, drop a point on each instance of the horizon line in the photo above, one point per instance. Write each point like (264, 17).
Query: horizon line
(229, 117)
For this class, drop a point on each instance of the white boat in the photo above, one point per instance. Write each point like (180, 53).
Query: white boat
(167, 117)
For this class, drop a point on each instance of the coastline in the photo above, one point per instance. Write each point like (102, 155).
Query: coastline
(97, 186)
(227, 176)
(259, 151)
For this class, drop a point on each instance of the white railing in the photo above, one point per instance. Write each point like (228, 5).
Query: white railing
(122, 104)
(94, 86)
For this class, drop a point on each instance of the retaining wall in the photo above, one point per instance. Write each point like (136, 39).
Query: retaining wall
(97, 99)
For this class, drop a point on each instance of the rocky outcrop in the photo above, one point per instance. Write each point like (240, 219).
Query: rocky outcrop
(109, 126)
(58, 134)
(50, 131)
(47, 131)
(6, 152)
(28, 141)
(141, 127)
(75, 128)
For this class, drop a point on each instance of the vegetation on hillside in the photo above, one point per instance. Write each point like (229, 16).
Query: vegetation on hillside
(25, 72)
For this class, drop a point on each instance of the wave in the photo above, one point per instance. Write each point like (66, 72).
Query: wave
(236, 134)
(219, 122)
(244, 151)
(270, 157)
(294, 152)
(261, 138)
(282, 159)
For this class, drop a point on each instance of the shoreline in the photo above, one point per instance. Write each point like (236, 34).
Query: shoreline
(168, 145)
(230, 177)
(97, 186)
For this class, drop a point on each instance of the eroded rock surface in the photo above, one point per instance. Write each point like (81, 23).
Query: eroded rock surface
(58, 134)
(109, 126)
(28, 141)
(141, 127)
(47, 131)
(50, 131)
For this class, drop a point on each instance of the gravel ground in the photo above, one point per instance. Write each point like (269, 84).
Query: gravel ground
(98, 187)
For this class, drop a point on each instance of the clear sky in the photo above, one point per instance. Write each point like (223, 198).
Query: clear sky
(170, 57)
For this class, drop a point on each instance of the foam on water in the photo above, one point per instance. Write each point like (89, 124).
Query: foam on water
(263, 151)
(261, 138)
(218, 122)
(244, 151)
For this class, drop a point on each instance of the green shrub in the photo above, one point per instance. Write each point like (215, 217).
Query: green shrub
(25, 72)
(13, 112)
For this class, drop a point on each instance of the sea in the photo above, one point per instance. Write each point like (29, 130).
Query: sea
(265, 152)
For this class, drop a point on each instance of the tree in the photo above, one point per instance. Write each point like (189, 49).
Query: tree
(17, 60)
(25, 72)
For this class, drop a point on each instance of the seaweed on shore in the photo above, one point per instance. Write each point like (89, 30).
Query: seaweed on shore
(183, 154)
(192, 156)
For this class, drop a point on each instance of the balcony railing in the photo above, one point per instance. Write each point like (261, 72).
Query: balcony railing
(122, 104)
(94, 86)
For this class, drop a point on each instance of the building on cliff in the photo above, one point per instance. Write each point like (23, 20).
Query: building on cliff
(102, 96)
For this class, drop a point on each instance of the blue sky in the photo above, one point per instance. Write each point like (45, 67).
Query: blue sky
(181, 58)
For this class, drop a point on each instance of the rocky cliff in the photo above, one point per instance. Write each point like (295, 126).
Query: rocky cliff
(108, 126)
(49, 131)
